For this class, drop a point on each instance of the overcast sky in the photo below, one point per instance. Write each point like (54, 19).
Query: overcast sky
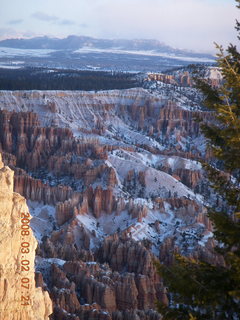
(189, 24)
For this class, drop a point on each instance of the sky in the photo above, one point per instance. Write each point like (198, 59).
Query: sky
(185, 24)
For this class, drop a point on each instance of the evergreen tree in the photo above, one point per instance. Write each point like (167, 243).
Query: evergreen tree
(201, 290)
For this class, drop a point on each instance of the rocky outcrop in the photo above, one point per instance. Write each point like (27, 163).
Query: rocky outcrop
(132, 257)
(33, 146)
(91, 112)
(17, 283)
(167, 119)
(62, 244)
(185, 78)
(123, 279)
(166, 78)
(97, 201)
(204, 252)
(190, 178)
(66, 299)
(36, 190)
(99, 285)
(172, 118)
(183, 207)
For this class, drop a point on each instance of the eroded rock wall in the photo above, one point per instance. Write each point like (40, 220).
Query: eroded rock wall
(11, 258)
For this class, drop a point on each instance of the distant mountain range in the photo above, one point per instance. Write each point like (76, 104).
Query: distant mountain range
(78, 42)
(86, 53)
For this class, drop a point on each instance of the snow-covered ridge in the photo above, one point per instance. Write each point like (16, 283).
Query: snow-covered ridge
(152, 53)
(73, 108)
(112, 110)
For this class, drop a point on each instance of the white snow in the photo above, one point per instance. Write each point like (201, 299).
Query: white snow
(43, 218)
(142, 52)
(205, 238)
(44, 262)
(12, 52)
(2, 66)
(158, 183)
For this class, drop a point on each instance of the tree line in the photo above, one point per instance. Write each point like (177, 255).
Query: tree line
(55, 79)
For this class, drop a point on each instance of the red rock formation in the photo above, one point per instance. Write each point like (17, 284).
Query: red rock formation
(36, 190)
(165, 78)
(142, 177)
(112, 179)
(65, 299)
(32, 145)
(132, 257)
(190, 178)
(103, 201)
(62, 245)
(64, 212)
(135, 288)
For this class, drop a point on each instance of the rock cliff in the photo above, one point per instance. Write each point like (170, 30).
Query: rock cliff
(19, 298)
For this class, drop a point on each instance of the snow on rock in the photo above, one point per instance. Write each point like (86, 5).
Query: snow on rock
(158, 183)
(43, 219)
(74, 108)
(207, 235)
(42, 261)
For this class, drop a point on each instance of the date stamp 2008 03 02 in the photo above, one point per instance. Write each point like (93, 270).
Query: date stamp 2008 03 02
(24, 261)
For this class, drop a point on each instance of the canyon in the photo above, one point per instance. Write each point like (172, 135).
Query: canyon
(113, 181)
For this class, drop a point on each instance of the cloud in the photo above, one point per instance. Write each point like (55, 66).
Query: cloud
(66, 22)
(44, 16)
(16, 21)
(53, 19)
(83, 25)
